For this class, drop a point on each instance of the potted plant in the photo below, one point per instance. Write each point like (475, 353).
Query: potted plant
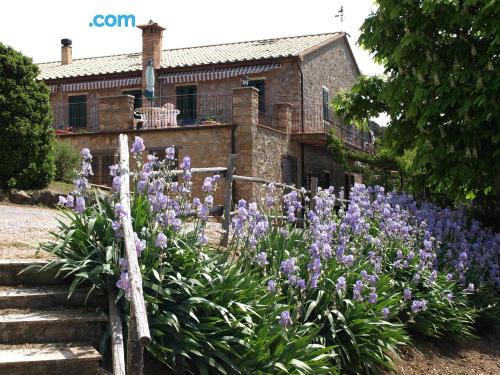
(209, 120)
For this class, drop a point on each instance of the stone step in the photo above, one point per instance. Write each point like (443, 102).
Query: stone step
(49, 359)
(10, 273)
(50, 325)
(17, 297)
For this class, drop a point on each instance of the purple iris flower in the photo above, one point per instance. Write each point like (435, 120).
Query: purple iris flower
(140, 245)
(80, 205)
(285, 319)
(407, 294)
(161, 241)
(186, 163)
(385, 312)
(261, 259)
(272, 286)
(86, 155)
(124, 284)
(117, 183)
(137, 146)
(120, 210)
(170, 153)
(114, 170)
(372, 298)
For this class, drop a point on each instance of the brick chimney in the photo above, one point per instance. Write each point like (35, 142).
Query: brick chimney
(66, 52)
(152, 38)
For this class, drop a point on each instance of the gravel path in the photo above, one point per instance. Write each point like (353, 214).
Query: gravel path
(22, 228)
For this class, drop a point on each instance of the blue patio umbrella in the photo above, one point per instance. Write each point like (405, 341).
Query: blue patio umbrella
(149, 92)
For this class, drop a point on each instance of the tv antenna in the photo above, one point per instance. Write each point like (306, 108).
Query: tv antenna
(340, 14)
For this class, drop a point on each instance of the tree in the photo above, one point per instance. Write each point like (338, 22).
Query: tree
(441, 90)
(26, 135)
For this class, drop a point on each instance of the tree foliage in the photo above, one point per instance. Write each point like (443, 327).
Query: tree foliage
(26, 136)
(441, 89)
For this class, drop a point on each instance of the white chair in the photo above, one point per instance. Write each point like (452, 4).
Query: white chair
(170, 114)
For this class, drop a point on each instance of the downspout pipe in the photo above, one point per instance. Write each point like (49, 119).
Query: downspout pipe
(302, 148)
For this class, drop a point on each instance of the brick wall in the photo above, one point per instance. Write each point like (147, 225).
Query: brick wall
(208, 146)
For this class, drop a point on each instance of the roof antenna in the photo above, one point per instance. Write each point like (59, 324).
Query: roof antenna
(340, 14)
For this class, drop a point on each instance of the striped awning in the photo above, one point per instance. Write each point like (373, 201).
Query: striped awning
(96, 85)
(215, 73)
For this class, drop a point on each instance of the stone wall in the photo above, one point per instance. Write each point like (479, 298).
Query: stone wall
(116, 113)
(318, 160)
(331, 66)
(208, 146)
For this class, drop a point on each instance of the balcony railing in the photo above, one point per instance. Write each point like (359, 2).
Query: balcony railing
(194, 110)
(322, 120)
(184, 110)
(76, 117)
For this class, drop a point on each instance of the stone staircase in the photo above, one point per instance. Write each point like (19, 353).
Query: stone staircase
(41, 330)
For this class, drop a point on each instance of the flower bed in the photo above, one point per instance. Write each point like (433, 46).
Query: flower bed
(340, 292)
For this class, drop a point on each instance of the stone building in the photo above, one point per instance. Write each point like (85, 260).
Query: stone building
(265, 100)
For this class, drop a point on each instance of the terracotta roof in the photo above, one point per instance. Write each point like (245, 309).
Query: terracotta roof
(190, 57)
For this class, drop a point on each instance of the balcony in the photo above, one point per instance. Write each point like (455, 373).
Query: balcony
(127, 112)
(315, 123)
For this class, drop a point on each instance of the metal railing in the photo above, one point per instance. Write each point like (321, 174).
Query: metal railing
(268, 115)
(184, 110)
(74, 117)
(322, 120)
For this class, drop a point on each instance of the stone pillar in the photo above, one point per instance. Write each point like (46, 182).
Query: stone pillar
(116, 113)
(246, 118)
(284, 115)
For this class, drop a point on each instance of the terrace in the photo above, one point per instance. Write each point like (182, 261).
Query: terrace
(310, 125)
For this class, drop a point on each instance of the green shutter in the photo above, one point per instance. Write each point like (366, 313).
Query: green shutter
(260, 84)
(186, 104)
(77, 111)
(326, 104)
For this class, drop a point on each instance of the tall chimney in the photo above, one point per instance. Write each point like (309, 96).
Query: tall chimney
(152, 38)
(66, 52)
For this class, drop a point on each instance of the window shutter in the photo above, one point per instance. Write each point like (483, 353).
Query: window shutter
(260, 84)
(326, 104)
(77, 111)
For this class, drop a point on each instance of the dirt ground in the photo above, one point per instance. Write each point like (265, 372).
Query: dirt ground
(22, 228)
(474, 357)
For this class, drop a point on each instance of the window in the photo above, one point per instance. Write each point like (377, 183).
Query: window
(186, 104)
(261, 86)
(77, 111)
(137, 94)
(326, 104)
(289, 170)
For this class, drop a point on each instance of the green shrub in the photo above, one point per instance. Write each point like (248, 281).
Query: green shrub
(67, 160)
(26, 135)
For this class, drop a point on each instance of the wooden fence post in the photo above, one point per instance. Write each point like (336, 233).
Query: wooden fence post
(314, 191)
(115, 321)
(138, 332)
(228, 199)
